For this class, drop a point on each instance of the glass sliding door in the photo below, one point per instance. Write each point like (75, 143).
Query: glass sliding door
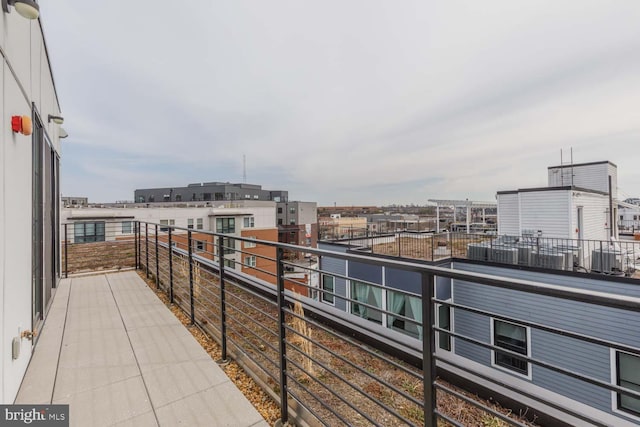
(37, 268)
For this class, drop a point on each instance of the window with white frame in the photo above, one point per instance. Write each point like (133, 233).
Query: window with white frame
(328, 284)
(199, 223)
(127, 227)
(189, 222)
(199, 246)
(229, 262)
(513, 337)
(401, 306)
(627, 375)
(250, 261)
(166, 222)
(248, 245)
(249, 222)
(362, 294)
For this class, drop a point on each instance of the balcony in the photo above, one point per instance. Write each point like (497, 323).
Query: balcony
(350, 347)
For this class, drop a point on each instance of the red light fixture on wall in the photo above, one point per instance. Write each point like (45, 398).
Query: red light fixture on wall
(21, 124)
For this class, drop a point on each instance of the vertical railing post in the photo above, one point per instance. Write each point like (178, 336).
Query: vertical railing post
(135, 243)
(66, 252)
(157, 259)
(223, 308)
(146, 249)
(191, 305)
(428, 350)
(139, 243)
(284, 404)
(433, 238)
(170, 267)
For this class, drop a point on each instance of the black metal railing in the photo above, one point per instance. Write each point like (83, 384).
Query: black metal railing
(348, 352)
(613, 257)
(95, 245)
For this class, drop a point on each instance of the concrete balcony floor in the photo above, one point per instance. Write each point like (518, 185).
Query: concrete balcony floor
(111, 350)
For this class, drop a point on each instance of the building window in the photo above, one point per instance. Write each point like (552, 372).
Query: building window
(199, 223)
(86, 232)
(255, 196)
(127, 227)
(228, 246)
(247, 196)
(229, 262)
(226, 225)
(444, 322)
(178, 197)
(361, 294)
(199, 246)
(166, 222)
(514, 338)
(152, 198)
(405, 306)
(279, 210)
(292, 210)
(189, 222)
(628, 376)
(328, 284)
(292, 221)
(249, 222)
(250, 261)
(279, 221)
(248, 245)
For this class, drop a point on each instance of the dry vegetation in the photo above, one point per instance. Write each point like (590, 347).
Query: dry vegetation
(340, 371)
(428, 248)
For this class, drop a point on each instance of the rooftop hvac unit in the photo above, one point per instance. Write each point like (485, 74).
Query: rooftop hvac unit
(477, 252)
(606, 261)
(524, 255)
(503, 255)
(551, 261)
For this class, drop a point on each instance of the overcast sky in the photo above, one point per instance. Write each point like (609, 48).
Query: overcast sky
(347, 102)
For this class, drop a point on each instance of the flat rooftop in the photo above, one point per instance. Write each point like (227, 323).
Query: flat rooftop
(117, 355)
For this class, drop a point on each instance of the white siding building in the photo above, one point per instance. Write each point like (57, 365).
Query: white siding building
(29, 194)
(563, 210)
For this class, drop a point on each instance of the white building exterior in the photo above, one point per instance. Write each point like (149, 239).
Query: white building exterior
(29, 195)
(262, 214)
(562, 210)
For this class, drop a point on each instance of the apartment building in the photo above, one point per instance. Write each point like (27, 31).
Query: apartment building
(29, 191)
(209, 191)
(251, 220)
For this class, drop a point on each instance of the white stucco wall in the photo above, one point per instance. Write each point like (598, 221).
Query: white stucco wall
(26, 78)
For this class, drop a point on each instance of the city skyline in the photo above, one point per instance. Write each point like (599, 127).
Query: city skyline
(364, 103)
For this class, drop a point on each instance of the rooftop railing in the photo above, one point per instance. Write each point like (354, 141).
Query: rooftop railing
(615, 257)
(368, 354)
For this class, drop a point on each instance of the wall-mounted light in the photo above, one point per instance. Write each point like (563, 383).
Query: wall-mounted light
(26, 8)
(62, 134)
(56, 119)
(21, 124)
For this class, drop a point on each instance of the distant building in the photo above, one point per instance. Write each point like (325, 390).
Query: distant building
(238, 219)
(209, 191)
(74, 201)
(577, 204)
(298, 224)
